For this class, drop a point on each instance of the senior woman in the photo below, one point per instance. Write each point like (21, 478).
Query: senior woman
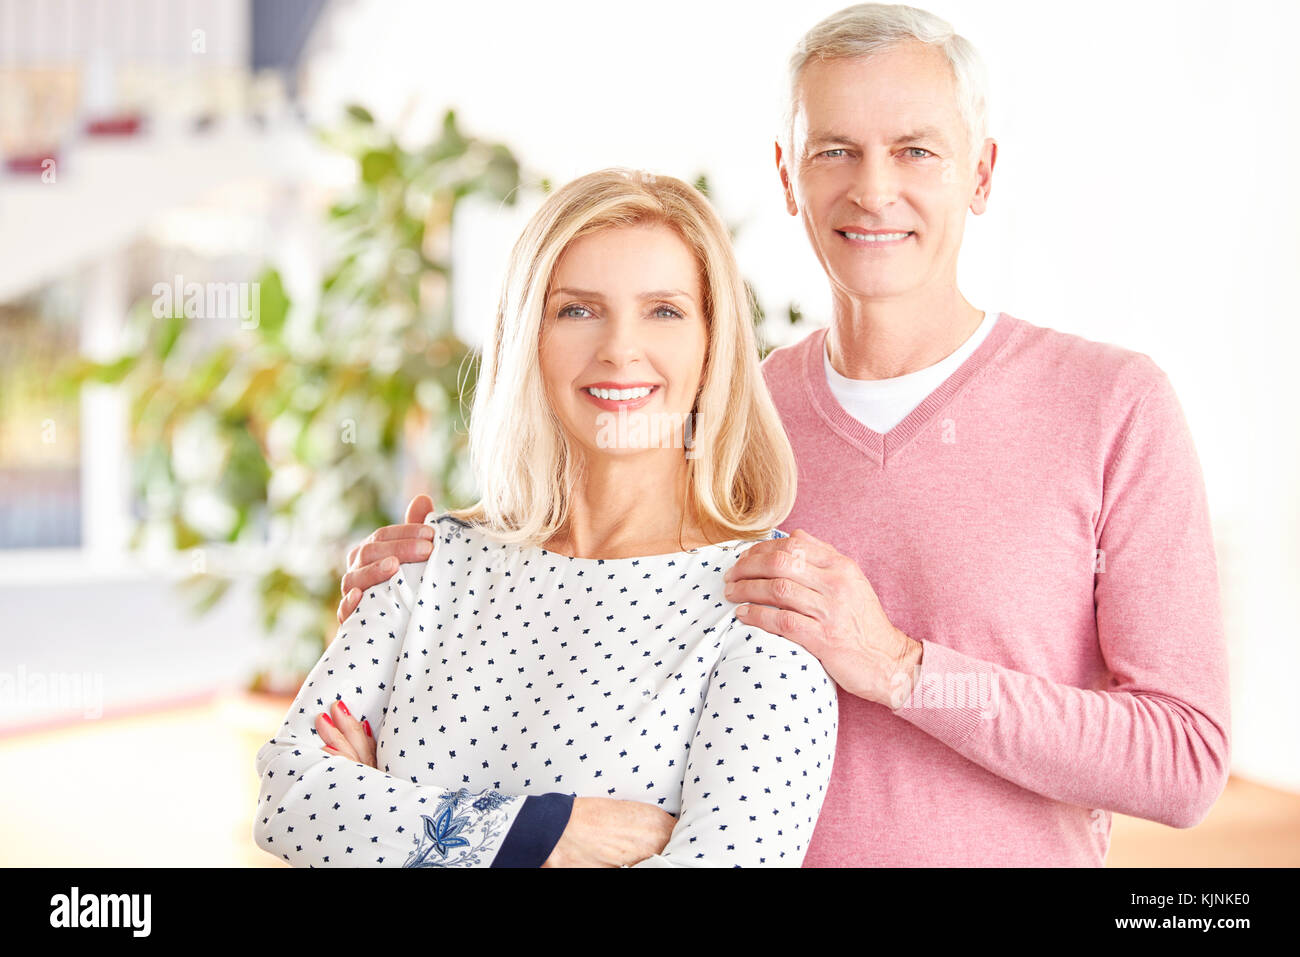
(565, 655)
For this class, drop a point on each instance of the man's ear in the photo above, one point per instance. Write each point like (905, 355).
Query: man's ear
(791, 206)
(984, 177)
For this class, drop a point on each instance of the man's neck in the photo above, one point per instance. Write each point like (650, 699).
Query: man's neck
(884, 339)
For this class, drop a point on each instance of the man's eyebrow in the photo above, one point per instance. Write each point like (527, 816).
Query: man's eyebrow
(821, 138)
(924, 133)
(592, 294)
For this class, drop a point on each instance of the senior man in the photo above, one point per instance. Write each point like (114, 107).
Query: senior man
(1001, 546)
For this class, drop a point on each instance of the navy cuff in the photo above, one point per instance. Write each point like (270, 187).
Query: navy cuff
(536, 831)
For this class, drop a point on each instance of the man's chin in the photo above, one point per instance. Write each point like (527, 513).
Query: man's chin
(872, 285)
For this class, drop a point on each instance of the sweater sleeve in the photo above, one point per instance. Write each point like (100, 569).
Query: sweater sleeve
(322, 810)
(1155, 744)
(760, 759)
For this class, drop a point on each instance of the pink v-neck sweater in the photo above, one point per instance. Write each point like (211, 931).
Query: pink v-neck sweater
(1039, 523)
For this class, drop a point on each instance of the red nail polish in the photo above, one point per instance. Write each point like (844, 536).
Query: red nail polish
(327, 718)
(366, 725)
(344, 709)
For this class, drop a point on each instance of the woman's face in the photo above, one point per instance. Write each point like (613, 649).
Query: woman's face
(624, 317)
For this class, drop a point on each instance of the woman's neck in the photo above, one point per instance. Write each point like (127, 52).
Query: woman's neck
(630, 506)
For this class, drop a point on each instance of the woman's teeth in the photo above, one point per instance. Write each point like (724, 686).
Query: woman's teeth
(621, 395)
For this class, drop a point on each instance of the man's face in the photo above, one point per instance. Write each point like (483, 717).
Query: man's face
(880, 149)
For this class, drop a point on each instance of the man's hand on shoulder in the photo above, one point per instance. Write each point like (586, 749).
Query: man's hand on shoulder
(377, 559)
(804, 590)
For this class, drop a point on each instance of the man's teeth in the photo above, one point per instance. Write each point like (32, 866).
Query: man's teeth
(877, 238)
(621, 395)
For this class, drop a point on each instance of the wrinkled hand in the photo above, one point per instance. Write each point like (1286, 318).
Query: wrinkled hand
(345, 736)
(802, 589)
(377, 559)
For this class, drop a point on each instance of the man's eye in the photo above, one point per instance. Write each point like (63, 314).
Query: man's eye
(917, 149)
(568, 311)
(837, 149)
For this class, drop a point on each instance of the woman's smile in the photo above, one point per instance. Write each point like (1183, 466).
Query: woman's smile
(612, 397)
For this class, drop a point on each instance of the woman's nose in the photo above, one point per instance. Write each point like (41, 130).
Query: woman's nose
(619, 342)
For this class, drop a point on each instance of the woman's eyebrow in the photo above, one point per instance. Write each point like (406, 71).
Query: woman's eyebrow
(667, 294)
(592, 294)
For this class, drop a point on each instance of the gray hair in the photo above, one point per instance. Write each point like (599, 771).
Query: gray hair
(868, 28)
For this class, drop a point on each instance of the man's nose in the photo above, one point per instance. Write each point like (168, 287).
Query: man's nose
(876, 184)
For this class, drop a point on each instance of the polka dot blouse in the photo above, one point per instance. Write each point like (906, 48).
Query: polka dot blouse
(503, 680)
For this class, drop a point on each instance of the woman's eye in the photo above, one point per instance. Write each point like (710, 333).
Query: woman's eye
(576, 311)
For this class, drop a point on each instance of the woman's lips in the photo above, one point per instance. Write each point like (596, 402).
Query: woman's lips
(613, 405)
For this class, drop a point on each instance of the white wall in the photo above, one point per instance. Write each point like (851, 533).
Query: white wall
(155, 32)
(1145, 195)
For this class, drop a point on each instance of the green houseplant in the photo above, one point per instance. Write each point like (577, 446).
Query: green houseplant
(295, 432)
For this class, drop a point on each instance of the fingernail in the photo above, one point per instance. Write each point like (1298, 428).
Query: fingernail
(366, 724)
(327, 719)
(390, 564)
(426, 531)
(344, 709)
(743, 610)
(354, 595)
(426, 548)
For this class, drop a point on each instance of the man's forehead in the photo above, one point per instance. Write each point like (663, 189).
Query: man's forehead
(892, 96)
(867, 119)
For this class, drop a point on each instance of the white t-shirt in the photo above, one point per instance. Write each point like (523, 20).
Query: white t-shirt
(495, 675)
(880, 404)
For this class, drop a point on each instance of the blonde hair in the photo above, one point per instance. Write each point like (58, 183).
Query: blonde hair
(742, 476)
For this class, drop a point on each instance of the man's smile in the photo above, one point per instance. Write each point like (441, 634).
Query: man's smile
(875, 237)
